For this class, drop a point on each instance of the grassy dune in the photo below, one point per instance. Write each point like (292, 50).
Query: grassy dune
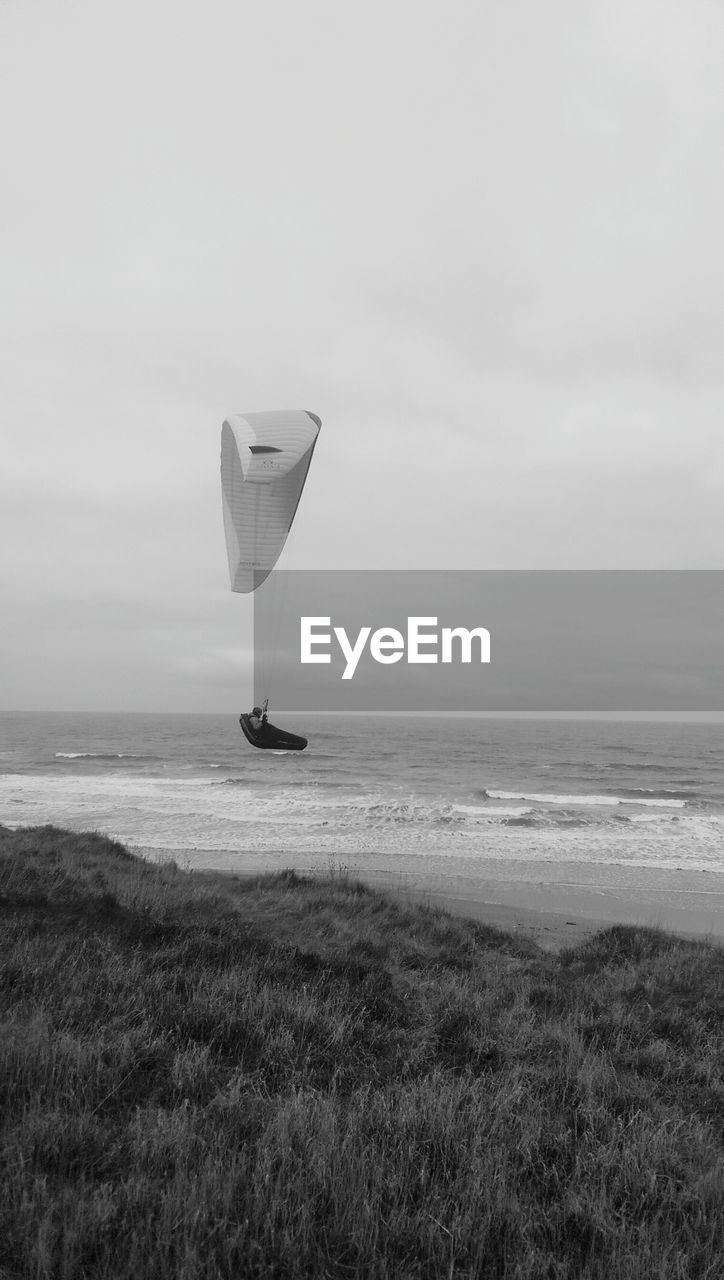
(210, 1077)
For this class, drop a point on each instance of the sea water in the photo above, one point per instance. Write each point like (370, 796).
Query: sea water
(439, 800)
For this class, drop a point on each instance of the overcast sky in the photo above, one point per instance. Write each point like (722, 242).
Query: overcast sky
(481, 240)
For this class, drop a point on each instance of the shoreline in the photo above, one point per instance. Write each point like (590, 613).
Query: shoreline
(559, 916)
(555, 905)
(553, 930)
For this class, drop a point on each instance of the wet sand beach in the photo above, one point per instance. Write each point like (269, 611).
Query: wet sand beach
(557, 915)
(570, 924)
(554, 904)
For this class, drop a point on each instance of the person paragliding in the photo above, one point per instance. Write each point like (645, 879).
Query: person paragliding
(257, 718)
(265, 458)
(260, 733)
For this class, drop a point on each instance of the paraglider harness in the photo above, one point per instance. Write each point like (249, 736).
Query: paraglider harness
(267, 736)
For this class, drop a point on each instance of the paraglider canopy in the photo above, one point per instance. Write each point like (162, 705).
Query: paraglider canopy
(265, 458)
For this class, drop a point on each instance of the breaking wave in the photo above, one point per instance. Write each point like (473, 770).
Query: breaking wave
(101, 755)
(584, 801)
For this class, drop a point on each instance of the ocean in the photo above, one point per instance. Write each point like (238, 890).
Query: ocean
(426, 801)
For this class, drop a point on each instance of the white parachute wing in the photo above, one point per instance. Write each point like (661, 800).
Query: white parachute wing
(265, 458)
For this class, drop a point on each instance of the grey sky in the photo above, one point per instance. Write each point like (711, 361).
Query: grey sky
(482, 241)
(557, 641)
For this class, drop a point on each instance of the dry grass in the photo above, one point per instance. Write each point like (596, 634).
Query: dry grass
(213, 1077)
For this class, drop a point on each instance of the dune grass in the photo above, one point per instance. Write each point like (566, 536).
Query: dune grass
(209, 1076)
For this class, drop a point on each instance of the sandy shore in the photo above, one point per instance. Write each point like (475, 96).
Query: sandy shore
(555, 904)
(557, 914)
(554, 929)
(550, 930)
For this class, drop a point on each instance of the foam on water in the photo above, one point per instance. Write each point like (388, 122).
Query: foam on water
(585, 801)
(462, 792)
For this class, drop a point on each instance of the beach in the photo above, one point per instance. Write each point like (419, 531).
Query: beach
(551, 829)
(555, 905)
(571, 904)
(558, 918)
